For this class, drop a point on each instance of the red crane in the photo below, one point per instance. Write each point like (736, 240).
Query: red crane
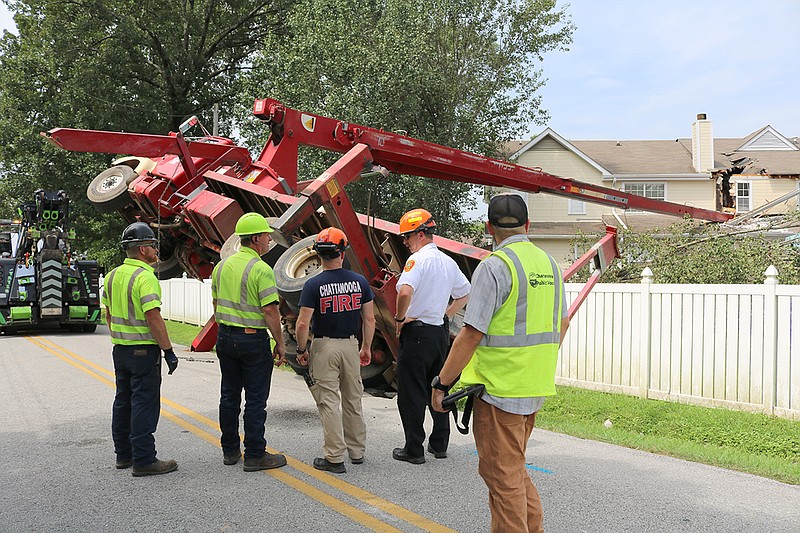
(196, 188)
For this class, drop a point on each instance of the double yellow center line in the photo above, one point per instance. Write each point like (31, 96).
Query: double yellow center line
(353, 513)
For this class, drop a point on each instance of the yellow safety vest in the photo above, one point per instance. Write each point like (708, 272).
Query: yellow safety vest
(130, 290)
(241, 285)
(518, 355)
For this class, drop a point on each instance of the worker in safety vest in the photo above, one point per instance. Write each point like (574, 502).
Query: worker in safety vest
(245, 306)
(430, 280)
(336, 305)
(132, 298)
(513, 327)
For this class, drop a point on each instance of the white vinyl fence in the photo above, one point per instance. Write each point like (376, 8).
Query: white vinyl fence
(736, 346)
(186, 300)
(717, 345)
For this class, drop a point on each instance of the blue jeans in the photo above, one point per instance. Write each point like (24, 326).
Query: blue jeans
(137, 403)
(246, 364)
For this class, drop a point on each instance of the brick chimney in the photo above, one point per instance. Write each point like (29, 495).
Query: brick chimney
(702, 144)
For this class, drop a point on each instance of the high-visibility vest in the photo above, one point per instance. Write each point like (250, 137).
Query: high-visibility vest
(517, 357)
(130, 290)
(241, 285)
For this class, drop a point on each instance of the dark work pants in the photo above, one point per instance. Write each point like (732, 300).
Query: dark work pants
(246, 363)
(137, 403)
(422, 352)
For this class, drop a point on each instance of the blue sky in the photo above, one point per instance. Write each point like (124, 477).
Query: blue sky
(639, 69)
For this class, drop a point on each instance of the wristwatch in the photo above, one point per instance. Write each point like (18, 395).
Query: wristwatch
(436, 384)
(304, 350)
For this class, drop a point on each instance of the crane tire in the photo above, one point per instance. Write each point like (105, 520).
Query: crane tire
(108, 191)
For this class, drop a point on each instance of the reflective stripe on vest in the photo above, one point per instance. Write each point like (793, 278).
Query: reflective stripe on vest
(519, 353)
(229, 314)
(131, 323)
(520, 336)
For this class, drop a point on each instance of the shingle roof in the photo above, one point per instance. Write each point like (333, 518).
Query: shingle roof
(774, 162)
(675, 156)
(640, 157)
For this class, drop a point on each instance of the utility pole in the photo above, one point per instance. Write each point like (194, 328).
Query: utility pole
(215, 128)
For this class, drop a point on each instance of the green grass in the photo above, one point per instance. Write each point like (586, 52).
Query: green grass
(757, 444)
(753, 443)
(180, 333)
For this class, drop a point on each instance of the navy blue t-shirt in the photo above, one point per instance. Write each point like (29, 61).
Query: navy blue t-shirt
(336, 297)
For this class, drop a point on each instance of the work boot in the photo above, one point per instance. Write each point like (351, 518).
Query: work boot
(438, 455)
(357, 460)
(231, 458)
(156, 468)
(265, 462)
(402, 455)
(321, 463)
(123, 463)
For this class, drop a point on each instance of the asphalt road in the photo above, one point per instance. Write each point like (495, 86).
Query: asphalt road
(57, 471)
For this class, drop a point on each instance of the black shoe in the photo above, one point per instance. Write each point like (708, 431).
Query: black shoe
(357, 461)
(265, 462)
(154, 469)
(123, 463)
(320, 463)
(231, 458)
(438, 455)
(401, 455)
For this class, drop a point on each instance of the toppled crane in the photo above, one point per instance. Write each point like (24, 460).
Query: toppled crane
(193, 190)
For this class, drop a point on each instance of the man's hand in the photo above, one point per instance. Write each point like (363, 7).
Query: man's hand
(302, 358)
(436, 400)
(279, 354)
(365, 355)
(399, 326)
(171, 359)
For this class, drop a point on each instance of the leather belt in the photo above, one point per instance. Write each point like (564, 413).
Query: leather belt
(420, 323)
(239, 329)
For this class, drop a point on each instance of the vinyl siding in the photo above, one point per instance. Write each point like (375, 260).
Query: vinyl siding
(696, 193)
(764, 190)
(561, 250)
(553, 158)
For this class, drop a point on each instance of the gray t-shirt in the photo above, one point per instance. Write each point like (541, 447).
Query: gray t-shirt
(491, 285)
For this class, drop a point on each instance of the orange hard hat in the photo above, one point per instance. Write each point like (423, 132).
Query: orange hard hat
(331, 242)
(416, 220)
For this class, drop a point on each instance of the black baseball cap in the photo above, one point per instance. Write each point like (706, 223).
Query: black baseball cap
(508, 210)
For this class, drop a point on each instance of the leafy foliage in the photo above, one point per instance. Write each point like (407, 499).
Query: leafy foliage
(128, 65)
(690, 253)
(461, 73)
(456, 72)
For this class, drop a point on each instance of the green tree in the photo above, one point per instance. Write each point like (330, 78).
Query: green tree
(141, 65)
(688, 252)
(462, 73)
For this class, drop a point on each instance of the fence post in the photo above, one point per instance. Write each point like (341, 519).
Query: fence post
(770, 338)
(184, 288)
(645, 350)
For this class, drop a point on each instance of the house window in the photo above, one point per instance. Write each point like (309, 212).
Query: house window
(655, 191)
(576, 207)
(743, 197)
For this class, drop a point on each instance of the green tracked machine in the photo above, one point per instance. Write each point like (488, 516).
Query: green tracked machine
(41, 281)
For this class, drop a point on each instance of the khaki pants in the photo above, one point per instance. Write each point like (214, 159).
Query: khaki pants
(335, 367)
(501, 439)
